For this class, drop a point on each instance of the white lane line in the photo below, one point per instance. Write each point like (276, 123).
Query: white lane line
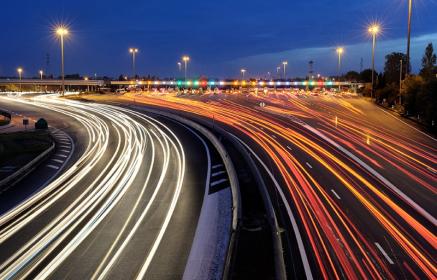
(274, 136)
(309, 165)
(59, 155)
(57, 160)
(336, 195)
(215, 183)
(52, 166)
(217, 166)
(64, 146)
(65, 151)
(218, 173)
(288, 147)
(385, 181)
(390, 261)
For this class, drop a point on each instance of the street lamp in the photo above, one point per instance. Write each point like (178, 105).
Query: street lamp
(61, 32)
(185, 59)
(243, 71)
(40, 74)
(20, 72)
(410, 9)
(374, 31)
(340, 52)
(133, 51)
(285, 63)
(180, 67)
(277, 71)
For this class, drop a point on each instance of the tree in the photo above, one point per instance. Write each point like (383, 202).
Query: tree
(428, 62)
(393, 66)
(352, 76)
(412, 87)
(366, 76)
(428, 101)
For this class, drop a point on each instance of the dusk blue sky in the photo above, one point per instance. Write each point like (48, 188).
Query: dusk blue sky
(221, 37)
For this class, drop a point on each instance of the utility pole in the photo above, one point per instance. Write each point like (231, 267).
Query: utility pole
(410, 8)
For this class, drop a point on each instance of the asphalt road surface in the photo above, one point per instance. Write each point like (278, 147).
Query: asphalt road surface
(358, 183)
(126, 207)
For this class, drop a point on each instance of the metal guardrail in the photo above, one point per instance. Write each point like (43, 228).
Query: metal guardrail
(27, 168)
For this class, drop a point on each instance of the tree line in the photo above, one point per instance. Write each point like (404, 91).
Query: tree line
(414, 96)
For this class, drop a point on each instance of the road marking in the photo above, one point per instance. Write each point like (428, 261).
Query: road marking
(273, 136)
(64, 146)
(217, 166)
(309, 165)
(406, 198)
(59, 155)
(65, 151)
(335, 194)
(215, 183)
(218, 173)
(57, 160)
(390, 261)
(288, 147)
(52, 166)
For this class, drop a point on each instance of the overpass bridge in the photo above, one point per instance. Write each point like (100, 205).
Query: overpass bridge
(235, 83)
(46, 82)
(190, 83)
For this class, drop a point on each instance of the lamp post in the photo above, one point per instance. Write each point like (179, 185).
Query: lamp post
(410, 9)
(180, 67)
(340, 52)
(134, 52)
(243, 72)
(185, 59)
(40, 74)
(373, 30)
(277, 71)
(61, 32)
(285, 63)
(20, 72)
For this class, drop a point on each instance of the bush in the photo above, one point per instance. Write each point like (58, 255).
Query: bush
(41, 124)
(388, 94)
(411, 88)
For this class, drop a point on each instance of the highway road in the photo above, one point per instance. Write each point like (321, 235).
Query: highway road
(125, 207)
(358, 183)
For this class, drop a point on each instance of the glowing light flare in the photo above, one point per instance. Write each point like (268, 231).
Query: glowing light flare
(374, 29)
(62, 31)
